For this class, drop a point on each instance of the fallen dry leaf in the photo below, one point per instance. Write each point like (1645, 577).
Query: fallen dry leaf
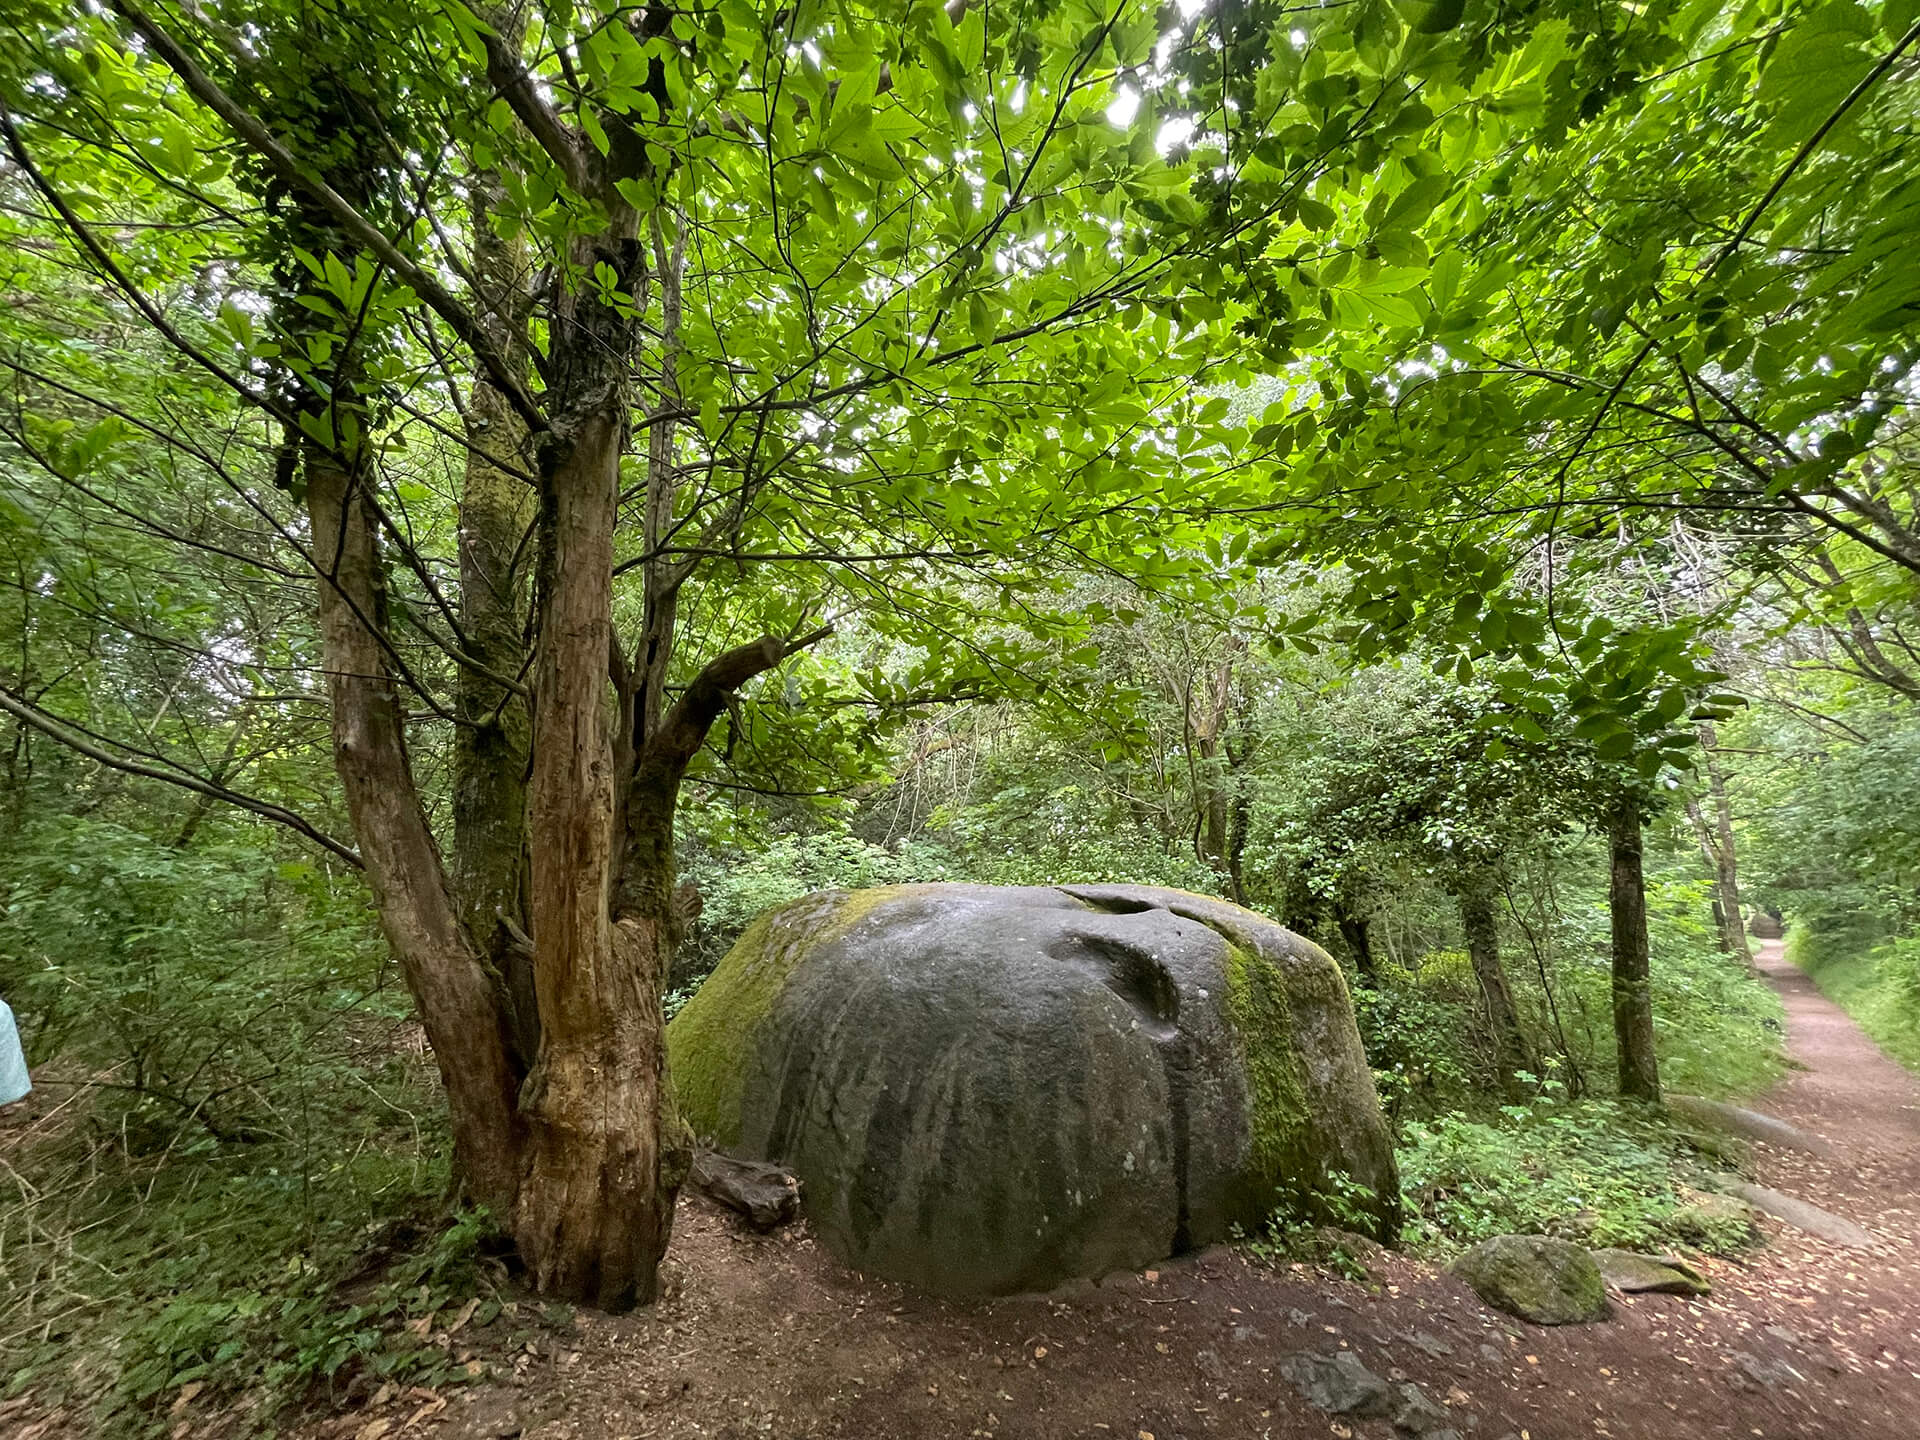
(432, 1407)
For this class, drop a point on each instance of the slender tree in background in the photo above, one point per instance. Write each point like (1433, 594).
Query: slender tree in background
(1512, 1053)
(1638, 1065)
(1712, 818)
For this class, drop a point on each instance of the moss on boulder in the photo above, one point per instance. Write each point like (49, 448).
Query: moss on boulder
(989, 1089)
(1547, 1281)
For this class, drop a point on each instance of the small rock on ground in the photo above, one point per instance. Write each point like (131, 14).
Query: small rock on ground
(1537, 1278)
(1339, 1383)
(1632, 1274)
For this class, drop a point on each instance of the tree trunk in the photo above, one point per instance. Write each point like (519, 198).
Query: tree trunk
(1237, 833)
(1240, 744)
(1301, 910)
(1357, 931)
(1511, 1051)
(455, 996)
(1639, 1068)
(1726, 857)
(1210, 771)
(491, 744)
(592, 1219)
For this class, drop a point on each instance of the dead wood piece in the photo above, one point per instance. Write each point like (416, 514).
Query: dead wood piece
(765, 1194)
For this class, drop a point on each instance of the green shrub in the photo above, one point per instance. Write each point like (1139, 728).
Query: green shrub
(233, 1175)
(737, 887)
(1414, 1037)
(1596, 1171)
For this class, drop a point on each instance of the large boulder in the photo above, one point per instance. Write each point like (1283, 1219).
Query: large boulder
(985, 1090)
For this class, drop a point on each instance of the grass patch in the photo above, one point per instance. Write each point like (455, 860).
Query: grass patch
(150, 1262)
(1719, 1028)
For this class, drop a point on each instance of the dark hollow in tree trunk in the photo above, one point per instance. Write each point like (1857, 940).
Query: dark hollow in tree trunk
(1639, 1068)
(1357, 931)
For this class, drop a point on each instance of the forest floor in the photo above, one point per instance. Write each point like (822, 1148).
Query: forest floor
(768, 1336)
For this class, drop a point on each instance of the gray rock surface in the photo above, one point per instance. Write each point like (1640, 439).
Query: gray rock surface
(1415, 1414)
(1770, 1373)
(986, 1090)
(1339, 1384)
(1547, 1281)
(1835, 1229)
(1633, 1274)
(1748, 1124)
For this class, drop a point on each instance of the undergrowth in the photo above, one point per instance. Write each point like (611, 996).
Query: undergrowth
(228, 1191)
(1601, 1172)
(244, 1276)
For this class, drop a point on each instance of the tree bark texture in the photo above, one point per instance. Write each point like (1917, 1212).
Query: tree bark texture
(492, 741)
(1639, 1068)
(1511, 1051)
(593, 1219)
(1212, 771)
(451, 988)
(1357, 931)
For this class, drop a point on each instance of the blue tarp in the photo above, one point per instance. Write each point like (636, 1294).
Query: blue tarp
(13, 1062)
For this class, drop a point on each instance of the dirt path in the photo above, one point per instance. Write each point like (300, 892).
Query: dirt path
(1800, 1340)
(1851, 1095)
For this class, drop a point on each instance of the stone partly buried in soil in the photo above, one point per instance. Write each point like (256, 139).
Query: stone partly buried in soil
(1547, 1281)
(1635, 1274)
(1834, 1229)
(1747, 1124)
(986, 1090)
(1341, 1384)
(1709, 1216)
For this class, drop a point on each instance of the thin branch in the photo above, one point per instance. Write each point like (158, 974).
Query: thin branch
(55, 729)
